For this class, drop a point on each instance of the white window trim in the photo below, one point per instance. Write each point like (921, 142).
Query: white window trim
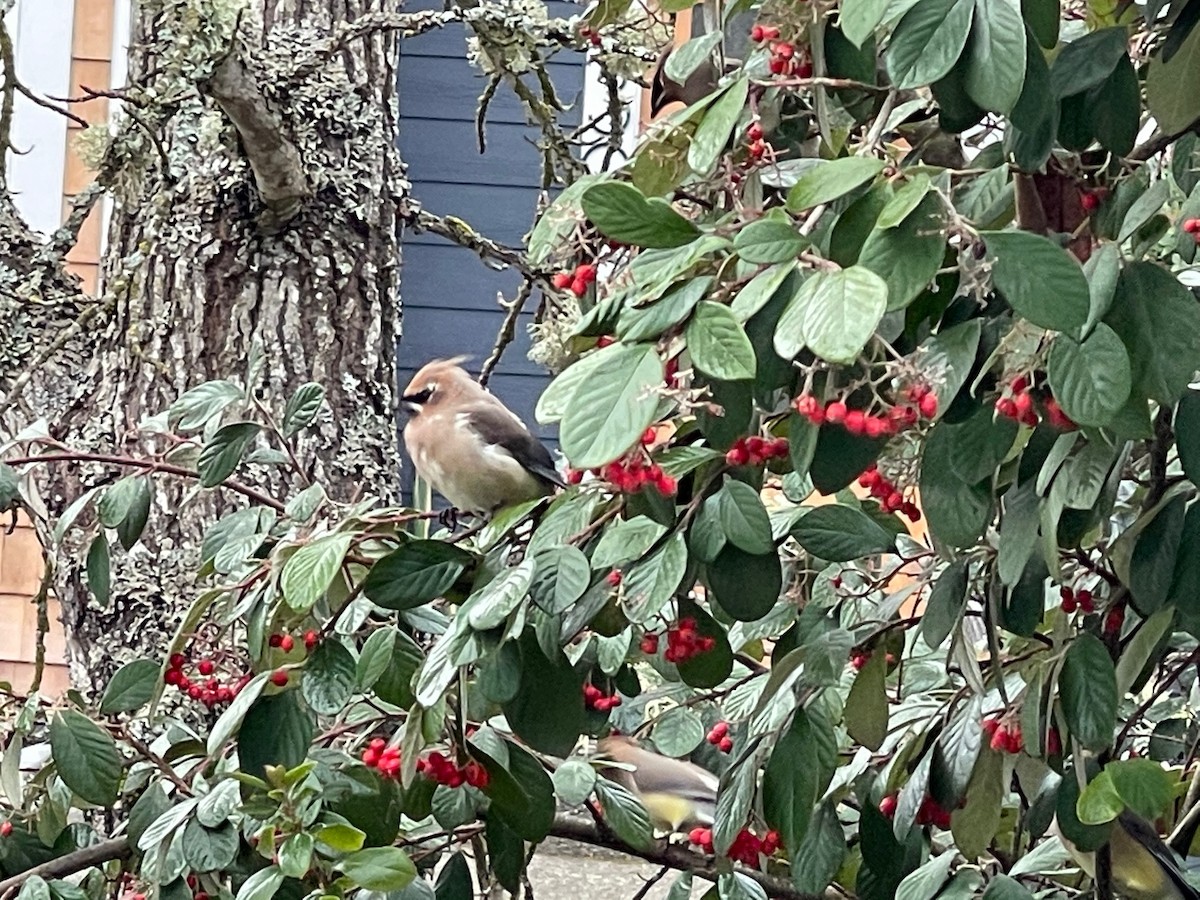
(41, 31)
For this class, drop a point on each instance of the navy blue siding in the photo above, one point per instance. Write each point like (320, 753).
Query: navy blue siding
(448, 294)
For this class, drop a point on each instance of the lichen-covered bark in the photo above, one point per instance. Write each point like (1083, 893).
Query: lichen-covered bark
(204, 285)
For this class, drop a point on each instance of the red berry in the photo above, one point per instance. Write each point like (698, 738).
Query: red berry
(893, 501)
(275, 640)
(649, 644)
(1053, 742)
(757, 150)
(666, 485)
(805, 69)
(1006, 408)
(561, 280)
(1086, 603)
(755, 446)
(835, 412)
(783, 50)
(810, 407)
(859, 659)
(999, 741)
(649, 436)
(1089, 201)
(311, 639)
(928, 405)
(279, 677)
(476, 775)
(875, 426)
(737, 455)
(604, 340)
(719, 730)
(6, 828)
(177, 660)
(887, 806)
(206, 667)
(725, 744)
(286, 643)
(1068, 599)
(856, 421)
(587, 272)
(1019, 384)
(770, 32)
(370, 758)
(173, 676)
(195, 691)
(756, 34)
(1023, 404)
(754, 132)
(579, 287)
(1015, 741)
(614, 578)
(990, 726)
(1114, 620)
(574, 476)
(1191, 226)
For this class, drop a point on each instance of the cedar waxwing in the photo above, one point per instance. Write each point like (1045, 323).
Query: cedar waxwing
(698, 85)
(1143, 866)
(677, 794)
(469, 446)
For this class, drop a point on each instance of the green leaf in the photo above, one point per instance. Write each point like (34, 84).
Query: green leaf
(374, 658)
(769, 240)
(211, 849)
(746, 586)
(329, 677)
(295, 855)
(262, 885)
(1001, 887)
(735, 797)
(945, 605)
(650, 582)
(907, 256)
(611, 410)
(1091, 380)
(1143, 208)
(791, 791)
(547, 713)
(842, 309)
(1086, 62)
(650, 322)
(489, 606)
(831, 180)
(86, 757)
(974, 826)
(309, 571)
(625, 540)
(302, 407)
(196, 406)
(1041, 281)
(379, 868)
(35, 888)
(957, 512)
(1187, 434)
(1088, 690)
(394, 685)
(678, 732)
(1158, 320)
(718, 344)
(684, 60)
(1102, 270)
(454, 882)
(867, 704)
(574, 781)
(131, 687)
(978, 444)
(556, 399)
(928, 42)
(760, 289)
(1152, 565)
(277, 731)
(625, 814)
(99, 569)
(927, 880)
(739, 886)
(1169, 86)
(222, 454)
(839, 534)
(561, 575)
(1143, 785)
(743, 518)
(415, 573)
(709, 669)
(1099, 802)
(904, 201)
(342, 838)
(714, 129)
(996, 56)
(1117, 109)
(860, 18)
(947, 358)
(818, 857)
(623, 213)
(130, 528)
(1042, 18)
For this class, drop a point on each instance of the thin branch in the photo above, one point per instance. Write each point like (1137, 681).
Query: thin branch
(508, 330)
(651, 882)
(1156, 144)
(68, 864)
(672, 856)
(46, 104)
(462, 233)
(149, 466)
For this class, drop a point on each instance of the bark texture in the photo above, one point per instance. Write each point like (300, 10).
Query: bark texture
(208, 278)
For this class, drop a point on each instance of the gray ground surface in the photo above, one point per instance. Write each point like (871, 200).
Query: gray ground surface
(563, 870)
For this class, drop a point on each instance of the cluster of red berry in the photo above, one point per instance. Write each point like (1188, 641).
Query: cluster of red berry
(921, 402)
(859, 659)
(1081, 599)
(634, 472)
(783, 53)
(1020, 406)
(757, 147)
(577, 281)
(889, 496)
(685, 642)
(755, 451)
(1003, 738)
(206, 688)
(649, 643)
(286, 642)
(596, 699)
(193, 884)
(1192, 227)
(6, 828)
(746, 846)
(930, 813)
(437, 767)
(379, 755)
(590, 33)
(719, 737)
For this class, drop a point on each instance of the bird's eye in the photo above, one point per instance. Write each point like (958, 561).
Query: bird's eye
(420, 396)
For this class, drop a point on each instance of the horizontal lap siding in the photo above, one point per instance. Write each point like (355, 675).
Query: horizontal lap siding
(449, 296)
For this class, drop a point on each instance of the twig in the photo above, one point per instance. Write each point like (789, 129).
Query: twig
(46, 104)
(1159, 690)
(508, 330)
(1156, 143)
(69, 864)
(651, 882)
(150, 466)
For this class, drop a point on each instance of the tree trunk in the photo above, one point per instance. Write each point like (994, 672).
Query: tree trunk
(255, 230)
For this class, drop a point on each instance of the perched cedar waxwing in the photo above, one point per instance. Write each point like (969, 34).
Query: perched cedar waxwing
(677, 794)
(697, 86)
(1143, 866)
(469, 446)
